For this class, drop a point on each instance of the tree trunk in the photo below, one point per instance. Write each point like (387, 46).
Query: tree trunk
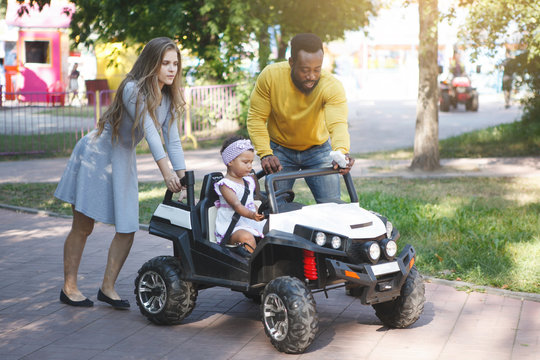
(426, 137)
(264, 47)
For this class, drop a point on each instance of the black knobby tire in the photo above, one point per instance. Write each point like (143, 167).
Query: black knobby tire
(445, 102)
(162, 296)
(474, 101)
(468, 104)
(289, 314)
(406, 309)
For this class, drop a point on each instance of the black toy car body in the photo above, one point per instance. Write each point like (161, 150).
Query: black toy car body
(308, 248)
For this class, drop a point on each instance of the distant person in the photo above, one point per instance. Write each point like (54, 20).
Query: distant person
(298, 115)
(73, 83)
(456, 66)
(237, 154)
(507, 79)
(100, 179)
(2, 78)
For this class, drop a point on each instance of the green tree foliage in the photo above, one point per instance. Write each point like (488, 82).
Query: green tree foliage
(285, 18)
(515, 23)
(213, 30)
(216, 31)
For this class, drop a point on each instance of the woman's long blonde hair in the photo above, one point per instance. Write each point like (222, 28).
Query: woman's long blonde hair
(145, 74)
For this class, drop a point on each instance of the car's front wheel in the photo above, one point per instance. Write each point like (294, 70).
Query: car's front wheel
(162, 296)
(289, 315)
(406, 309)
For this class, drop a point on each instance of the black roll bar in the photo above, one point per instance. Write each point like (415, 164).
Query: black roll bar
(189, 182)
(288, 175)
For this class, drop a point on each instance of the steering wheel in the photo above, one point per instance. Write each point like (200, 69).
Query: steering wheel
(282, 196)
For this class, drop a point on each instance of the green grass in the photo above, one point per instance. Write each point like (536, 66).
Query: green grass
(38, 146)
(505, 140)
(481, 230)
(70, 111)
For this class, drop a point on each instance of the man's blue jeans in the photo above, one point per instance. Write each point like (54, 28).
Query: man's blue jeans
(324, 188)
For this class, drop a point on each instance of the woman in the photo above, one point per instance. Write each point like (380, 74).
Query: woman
(73, 83)
(100, 180)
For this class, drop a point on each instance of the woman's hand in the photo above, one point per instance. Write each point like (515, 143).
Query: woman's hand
(173, 183)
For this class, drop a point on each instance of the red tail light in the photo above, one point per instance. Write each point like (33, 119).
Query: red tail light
(310, 265)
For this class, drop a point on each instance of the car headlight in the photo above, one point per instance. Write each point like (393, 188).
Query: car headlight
(389, 229)
(320, 238)
(371, 251)
(389, 248)
(336, 242)
(374, 251)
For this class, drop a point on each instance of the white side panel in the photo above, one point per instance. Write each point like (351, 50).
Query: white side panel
(175, 215)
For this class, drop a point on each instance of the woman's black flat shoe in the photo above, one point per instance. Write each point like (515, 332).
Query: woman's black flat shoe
(117, 304)
(83, 303)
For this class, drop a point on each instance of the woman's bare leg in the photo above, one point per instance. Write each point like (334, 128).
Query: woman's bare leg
(81, 228)
(118, 253)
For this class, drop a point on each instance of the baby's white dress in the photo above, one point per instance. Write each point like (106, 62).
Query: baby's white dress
(225, 212)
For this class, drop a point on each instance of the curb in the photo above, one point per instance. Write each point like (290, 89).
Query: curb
(465, 286)
(459, 285)
(48, 213)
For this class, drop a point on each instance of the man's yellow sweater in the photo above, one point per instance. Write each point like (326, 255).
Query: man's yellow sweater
(280, 112)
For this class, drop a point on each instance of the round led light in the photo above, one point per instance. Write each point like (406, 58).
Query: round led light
(389, 229)
(336, 242)
(320, 238)
(390, 248)
(374, 251)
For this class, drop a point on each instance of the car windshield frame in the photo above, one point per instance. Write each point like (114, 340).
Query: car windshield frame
(271, 179)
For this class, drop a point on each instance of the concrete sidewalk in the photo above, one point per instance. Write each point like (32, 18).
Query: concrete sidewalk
(208, 160)
(224, 324)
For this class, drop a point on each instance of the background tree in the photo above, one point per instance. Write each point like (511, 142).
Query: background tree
(216, 31)
(426, 136)
(282, 19)
(213, 30)
(493, 24)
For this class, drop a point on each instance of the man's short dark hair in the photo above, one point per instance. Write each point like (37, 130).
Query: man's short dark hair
(308, 42)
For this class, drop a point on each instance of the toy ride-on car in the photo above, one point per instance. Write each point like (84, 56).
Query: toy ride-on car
(458, 90)
(307, 249)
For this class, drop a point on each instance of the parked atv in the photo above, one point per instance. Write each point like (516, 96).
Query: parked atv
(458, 90)
(307, 249)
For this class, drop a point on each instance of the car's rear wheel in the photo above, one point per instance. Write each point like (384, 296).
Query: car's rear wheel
(445, 101)
(474, 101)
(162, 296)
(289, 315)
(406, 309)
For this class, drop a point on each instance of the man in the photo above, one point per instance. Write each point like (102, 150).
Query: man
(456, 66)
(297, 115)
(508, 78)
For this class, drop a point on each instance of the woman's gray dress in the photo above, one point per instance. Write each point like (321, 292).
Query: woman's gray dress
(100, 179)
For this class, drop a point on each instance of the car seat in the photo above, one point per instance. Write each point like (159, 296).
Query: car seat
(207, 210)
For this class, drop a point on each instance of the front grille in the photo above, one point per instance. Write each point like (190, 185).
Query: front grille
(354, 252)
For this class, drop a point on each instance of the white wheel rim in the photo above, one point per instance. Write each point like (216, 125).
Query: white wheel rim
(275, 317)
(152, 292)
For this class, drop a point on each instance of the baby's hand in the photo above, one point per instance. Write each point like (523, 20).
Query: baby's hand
(257, 217)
